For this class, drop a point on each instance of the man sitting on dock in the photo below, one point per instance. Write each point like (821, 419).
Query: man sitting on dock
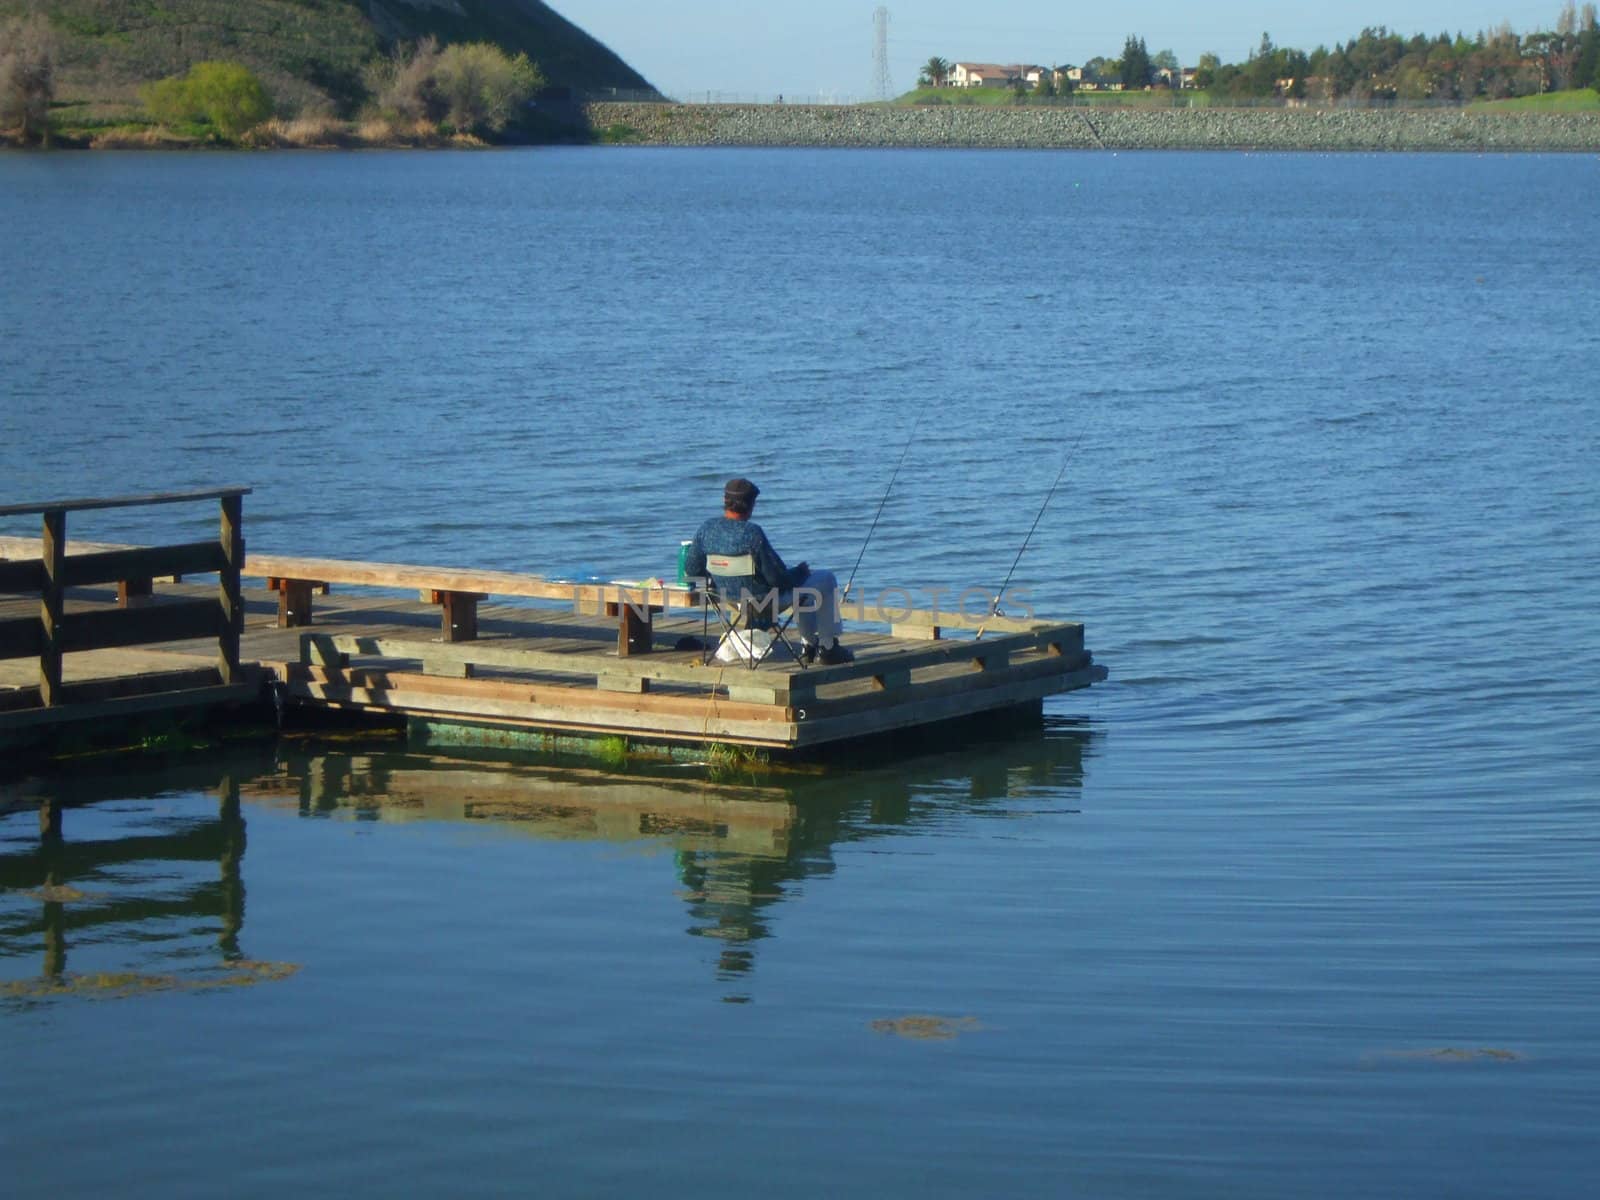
(817, 592)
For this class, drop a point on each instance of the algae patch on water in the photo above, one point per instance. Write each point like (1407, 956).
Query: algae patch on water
(246, 972)
(1446, 1054)
(116, 985)
(924, 1028)
(58, 893)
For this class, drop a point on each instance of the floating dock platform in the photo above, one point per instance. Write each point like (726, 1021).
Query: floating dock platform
(468, 656)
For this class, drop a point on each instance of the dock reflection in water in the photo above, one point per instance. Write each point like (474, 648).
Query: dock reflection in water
(739, 846)
(152, 897)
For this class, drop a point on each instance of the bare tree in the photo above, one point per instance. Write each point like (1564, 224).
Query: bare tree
(405, 85)
(27, 77)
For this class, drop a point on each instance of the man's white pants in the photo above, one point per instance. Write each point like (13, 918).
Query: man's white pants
(816, 608)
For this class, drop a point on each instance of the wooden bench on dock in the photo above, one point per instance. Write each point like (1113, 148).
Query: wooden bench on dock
(296, 579)
(458, 593)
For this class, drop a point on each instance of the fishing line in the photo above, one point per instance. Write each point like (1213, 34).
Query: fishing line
(994, 606)
(871, 529)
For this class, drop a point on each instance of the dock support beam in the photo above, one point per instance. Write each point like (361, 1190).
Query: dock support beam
(232, 537)
(51, 605)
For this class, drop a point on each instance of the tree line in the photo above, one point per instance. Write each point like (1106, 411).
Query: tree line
(1376, 65)
(1381, 65)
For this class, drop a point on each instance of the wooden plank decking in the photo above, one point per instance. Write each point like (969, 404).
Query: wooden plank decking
(533, 663)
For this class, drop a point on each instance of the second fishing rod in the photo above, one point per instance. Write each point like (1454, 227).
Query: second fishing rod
(871, 529)
(999, 594)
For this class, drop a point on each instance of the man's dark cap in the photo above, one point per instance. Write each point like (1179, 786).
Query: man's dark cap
(739, 494)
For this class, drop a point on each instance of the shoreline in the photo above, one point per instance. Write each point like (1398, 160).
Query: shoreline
(1083, 128)
(1022, 127)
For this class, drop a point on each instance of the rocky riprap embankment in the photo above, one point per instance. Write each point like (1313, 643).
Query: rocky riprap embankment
(1083, 128)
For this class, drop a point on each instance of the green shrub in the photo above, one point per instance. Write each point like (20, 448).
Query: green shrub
(225, 95)
(474, 85)
(231, 96)
(482, 87)
(170, 101)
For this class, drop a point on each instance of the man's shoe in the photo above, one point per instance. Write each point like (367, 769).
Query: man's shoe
(809, 652)
(836, 655)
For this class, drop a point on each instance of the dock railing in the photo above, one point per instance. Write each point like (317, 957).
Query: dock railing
(56, 632)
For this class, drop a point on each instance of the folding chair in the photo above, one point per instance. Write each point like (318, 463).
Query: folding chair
(741, 616)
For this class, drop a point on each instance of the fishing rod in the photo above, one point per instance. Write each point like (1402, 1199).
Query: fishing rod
(1066, 461)
(873, 527)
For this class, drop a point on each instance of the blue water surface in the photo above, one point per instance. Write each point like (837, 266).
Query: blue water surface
(1303, 901)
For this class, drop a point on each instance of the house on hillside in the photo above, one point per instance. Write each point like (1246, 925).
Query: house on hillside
(991, 75)
(1078, 79)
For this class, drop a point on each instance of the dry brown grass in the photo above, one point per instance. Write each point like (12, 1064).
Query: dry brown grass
(376, 131)
(301, 133)
(148, 137)
(307, 133)
(422, 134)
(389, 131)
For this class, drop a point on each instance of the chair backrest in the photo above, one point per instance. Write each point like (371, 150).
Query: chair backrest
(723, 569)
(731, 566)
(739, 570)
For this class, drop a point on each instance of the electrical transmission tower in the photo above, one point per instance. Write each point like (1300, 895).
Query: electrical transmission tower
(880, 54)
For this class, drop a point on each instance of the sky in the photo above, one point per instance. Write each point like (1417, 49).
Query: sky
(811, 49)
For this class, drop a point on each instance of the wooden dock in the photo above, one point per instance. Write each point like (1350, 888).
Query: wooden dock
(455, 652)
(93, 656)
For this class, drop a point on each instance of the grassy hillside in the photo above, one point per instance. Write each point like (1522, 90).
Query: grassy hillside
(310, 53)
(1004, 97)
(1580, 100)
(568, 56)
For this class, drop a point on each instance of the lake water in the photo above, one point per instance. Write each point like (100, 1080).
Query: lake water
(1304, 901)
